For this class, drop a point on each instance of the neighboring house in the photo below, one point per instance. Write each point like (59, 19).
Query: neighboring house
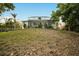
(4, 19)
(39, 22)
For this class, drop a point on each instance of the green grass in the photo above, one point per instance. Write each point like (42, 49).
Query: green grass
(39, 42)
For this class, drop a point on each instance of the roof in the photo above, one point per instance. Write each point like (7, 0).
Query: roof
(39, 16)
(25, 21)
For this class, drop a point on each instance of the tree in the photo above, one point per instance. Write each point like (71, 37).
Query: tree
(40, 24)
(6, 7)
(10, 24)
(55, 15)
(70, 12)
(14, 15)
(14, 19)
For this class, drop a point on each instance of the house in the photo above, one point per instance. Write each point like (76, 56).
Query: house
(5, 19)
(38, 22)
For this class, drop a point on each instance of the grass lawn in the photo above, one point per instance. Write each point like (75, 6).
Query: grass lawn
(39, 42)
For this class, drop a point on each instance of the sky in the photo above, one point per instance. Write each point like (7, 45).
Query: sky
(25, 10)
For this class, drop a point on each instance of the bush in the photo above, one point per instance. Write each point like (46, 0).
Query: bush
(50, 26)
(40, 25)
(3, 28)
(13, 25)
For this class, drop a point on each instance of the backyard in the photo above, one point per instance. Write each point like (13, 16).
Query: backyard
(39, 42)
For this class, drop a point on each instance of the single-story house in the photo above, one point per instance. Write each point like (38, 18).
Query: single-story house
(38, 22)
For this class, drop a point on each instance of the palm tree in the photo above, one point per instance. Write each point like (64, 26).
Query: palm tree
(14, 16)
(40, 25)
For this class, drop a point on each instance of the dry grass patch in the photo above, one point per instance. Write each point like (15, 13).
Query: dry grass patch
(39, 42)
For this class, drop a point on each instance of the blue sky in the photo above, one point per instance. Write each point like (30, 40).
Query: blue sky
(25, 10)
